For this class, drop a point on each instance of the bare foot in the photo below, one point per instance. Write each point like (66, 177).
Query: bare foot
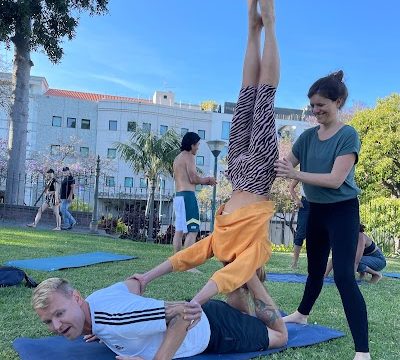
(294, 265)
(57, 229)
(362, 276)
(255, 21)
(375, 278)
(33, 225)
(296, 317)
(362, 356)
(267, 12)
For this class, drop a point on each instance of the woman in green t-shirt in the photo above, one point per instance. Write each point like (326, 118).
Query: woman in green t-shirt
(327, 155)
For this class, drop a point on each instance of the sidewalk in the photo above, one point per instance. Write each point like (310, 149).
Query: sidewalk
(77, 229)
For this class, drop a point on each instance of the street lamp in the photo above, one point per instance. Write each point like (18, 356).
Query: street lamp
(216, 147)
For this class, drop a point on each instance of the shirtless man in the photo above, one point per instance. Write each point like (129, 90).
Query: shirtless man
(187, 219)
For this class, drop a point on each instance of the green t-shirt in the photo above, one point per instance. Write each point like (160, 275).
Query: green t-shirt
(316, 156)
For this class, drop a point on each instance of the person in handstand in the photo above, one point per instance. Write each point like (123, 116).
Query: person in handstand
(240, 238)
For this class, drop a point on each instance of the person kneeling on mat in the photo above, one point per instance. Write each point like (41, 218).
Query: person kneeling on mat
(135, 327)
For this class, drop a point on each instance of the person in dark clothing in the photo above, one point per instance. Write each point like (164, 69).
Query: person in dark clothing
(327, 155)
(67, 195)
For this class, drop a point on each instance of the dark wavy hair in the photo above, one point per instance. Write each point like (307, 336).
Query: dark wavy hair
(331, 87)
(189, 139)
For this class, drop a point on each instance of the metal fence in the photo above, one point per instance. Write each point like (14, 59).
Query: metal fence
(123, 211)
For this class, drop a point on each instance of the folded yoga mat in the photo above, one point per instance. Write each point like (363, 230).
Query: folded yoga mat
(60, 348)
(392, 275)
(293, 278)
(69, 261)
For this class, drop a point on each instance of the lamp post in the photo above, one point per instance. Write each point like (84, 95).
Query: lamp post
(94, 224)
(216, 147)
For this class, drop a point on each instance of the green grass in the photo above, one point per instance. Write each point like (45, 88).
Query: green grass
(18, 319)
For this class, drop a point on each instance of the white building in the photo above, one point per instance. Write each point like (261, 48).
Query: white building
(102, 120)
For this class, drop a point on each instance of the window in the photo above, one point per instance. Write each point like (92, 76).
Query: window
(200, 160)
(143, 183)
(226, 129)
(85, 124)
(128, 182)
(163, 129)
(146, 127)
(111, 153)
(54, 149)
(84, 151)
(56, 121)
(131, 126)
(162, 185)
(184, 131)
(112, 125)
(71, 122)
(165, 97)
(202, 134)
(198, 187)
(110, 181)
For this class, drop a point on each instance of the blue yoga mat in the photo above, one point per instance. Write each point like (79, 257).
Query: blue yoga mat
(392, 275)
(293, 278)
(69, 261)
(60, 348)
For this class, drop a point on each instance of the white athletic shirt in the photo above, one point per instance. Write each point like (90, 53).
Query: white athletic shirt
(130, 324)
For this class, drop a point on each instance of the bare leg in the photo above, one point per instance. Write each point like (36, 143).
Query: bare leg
(177, 241)
(56, 210)
(270, 69)
(252, 61)
(39, 215)
(296, 255)
(190, 239)
(329, 267)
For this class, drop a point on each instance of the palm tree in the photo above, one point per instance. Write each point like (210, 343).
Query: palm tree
(152, 155)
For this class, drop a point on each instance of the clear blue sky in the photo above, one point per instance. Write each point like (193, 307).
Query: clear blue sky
(195, 48)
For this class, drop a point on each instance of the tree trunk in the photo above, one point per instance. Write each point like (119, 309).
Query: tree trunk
(17, 136)
(150, 230)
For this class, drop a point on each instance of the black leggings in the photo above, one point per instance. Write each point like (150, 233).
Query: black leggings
(336, 226)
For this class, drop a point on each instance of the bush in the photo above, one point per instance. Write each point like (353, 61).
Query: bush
(77, 205)
(121, 227)
(381, 218)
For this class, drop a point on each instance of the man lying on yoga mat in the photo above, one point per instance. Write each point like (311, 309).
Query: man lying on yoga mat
(135, 327)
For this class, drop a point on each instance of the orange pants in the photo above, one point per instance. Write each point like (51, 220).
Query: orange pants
(240, 239)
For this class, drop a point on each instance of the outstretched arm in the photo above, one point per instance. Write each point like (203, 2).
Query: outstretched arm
(194, 176)
(333, 180)
(183, 260)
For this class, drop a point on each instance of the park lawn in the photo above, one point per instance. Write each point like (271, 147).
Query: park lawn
(18, 319)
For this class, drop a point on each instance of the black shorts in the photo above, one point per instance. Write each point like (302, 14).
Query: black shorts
(232, 331)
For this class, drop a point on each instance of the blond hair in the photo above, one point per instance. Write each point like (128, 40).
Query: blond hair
(41, 294)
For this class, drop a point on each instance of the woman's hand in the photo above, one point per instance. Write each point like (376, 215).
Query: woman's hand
(141, 280)
(193, 312)
(285, 169)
